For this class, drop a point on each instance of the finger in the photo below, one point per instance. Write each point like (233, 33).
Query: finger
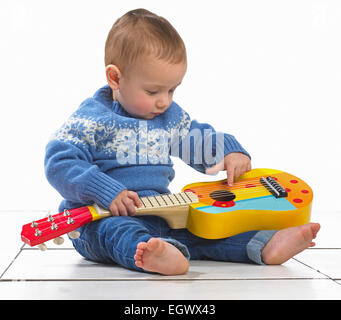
(230, 176)
(244, 169)
(129, 205)
(213, 170)
(248, 167)
(114, 210)
(135, 197)
(237, 172)
(216, 168)
(122, 209)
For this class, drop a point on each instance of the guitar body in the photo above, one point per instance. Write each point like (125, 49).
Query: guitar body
(262, 199)
(224, 211)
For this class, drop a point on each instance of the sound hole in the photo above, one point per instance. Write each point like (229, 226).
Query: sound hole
(222, 195)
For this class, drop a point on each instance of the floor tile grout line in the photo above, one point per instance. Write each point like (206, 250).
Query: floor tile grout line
(37, 249)
(157, 280)
(25, 211)
(324, 248)
(329, 277)
(16, 256)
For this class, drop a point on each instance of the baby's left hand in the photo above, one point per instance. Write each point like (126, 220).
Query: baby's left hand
(235, 164)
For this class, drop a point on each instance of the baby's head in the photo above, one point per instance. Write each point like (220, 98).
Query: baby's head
(145, 61)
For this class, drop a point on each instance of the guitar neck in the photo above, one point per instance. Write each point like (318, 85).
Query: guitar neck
(172, 207)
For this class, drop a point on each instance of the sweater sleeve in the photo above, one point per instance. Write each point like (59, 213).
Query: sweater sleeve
(202, 146)
(69, 169)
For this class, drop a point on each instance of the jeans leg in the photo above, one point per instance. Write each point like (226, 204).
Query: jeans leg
(244, 247)
(231, 249)
(257, 243)
(114, 239)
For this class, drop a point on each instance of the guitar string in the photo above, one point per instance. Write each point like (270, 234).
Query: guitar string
(236, 192)
(265, 192)
(216, 192)
(249, 184)
(239, 191)
(243, 181)
(250, 196)
(237, 183)
(219, 188)
(224, 188)
(244, 184)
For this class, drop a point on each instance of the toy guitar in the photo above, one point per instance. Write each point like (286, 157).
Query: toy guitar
(261, 199)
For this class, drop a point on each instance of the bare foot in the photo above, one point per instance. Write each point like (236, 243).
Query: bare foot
(286, 243)
(159, 256)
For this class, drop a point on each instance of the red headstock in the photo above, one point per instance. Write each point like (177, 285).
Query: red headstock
(54, 226)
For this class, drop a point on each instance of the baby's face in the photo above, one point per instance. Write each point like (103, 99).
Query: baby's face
(147, 90)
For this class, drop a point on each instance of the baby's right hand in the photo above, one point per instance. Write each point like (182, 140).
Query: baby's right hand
(124, 204)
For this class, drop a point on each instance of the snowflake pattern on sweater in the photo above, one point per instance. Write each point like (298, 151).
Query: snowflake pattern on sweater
(131, 141)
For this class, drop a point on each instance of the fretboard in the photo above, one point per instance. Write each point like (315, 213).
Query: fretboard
(168, 200)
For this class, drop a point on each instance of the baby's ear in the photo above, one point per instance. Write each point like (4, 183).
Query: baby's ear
(113, 75)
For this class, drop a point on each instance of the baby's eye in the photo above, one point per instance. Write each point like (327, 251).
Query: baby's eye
(151, 92)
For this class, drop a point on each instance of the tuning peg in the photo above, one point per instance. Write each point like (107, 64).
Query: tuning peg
(74, 234)
(58, 240)
(54, 226)
(70, 220)
(42, 247)
(34, 224)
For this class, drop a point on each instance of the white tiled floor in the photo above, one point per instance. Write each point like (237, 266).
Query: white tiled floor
(60, 273)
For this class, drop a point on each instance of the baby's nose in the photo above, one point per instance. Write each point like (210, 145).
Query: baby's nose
(163, 103)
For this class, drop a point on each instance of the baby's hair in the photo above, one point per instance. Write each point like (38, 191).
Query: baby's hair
(140, 33)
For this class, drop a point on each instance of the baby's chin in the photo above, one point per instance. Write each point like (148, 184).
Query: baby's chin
(148, 116)
(145, 116)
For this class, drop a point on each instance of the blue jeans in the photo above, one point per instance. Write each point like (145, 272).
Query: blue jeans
(114, 240)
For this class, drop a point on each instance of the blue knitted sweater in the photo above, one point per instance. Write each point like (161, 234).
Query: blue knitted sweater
(102, 150)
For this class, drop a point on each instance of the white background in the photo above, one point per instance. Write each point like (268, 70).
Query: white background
(268, 72)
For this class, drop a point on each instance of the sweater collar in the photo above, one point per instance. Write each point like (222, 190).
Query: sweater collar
(118, 109)
(104, 96)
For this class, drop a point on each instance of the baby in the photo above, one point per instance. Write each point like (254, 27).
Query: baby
(116, 148)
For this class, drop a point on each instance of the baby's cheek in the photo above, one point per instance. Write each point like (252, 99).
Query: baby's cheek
(144, 105)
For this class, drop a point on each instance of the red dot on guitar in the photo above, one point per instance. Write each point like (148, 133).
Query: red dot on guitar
(305, 191)
(287, 189)
(293, 181)
(298, 200)
(250, 185)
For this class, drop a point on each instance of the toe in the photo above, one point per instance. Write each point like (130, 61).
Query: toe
(139, 264)
(139, 252)
(137, 257)
(153, 243)
(141, 245)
